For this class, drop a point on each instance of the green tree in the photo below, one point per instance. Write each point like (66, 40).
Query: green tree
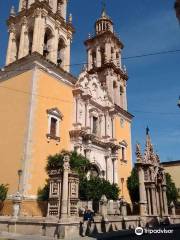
(94, 188)
(3, 192)
(133, 187)
(78, 162)
(172, 192)
(91, 189)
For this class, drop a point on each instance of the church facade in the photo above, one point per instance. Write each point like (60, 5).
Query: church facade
(45, 109)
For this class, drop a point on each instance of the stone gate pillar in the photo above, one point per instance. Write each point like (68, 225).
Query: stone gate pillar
(142, 193)
(64, 202)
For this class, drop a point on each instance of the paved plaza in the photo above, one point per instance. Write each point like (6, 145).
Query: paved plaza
(124, 235)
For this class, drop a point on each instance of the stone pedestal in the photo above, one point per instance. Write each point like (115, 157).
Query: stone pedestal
(123, 208)
(17, 200)
(103, 207)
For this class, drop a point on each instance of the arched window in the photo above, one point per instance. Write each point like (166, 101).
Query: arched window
(47, 42)
(60, 52)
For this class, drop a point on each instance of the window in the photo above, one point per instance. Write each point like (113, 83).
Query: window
(123, 153)
(54, 119)
(95, 125)
(123, 146)
(53, 127)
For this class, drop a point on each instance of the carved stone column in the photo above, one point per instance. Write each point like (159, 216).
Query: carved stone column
(149, 200)
(11, 51)
(37, 37)
(154, 202)
(157, 201)
(165, 201)
(89, 59)
(161, 201)
(142, 192)
(64, 203)
(115, 170)
(98, 57)
(22, 51)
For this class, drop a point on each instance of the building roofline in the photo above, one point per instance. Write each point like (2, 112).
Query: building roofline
(28, 62)
(171, 163)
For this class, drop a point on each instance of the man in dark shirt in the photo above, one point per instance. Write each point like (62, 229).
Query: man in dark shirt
(87, 219)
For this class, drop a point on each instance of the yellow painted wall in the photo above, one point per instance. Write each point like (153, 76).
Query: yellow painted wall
(174, 171)
(51, 93)
(14, 112)
(124, 169)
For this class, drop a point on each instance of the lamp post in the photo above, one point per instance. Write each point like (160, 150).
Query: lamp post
(19, 178)
(122, 182)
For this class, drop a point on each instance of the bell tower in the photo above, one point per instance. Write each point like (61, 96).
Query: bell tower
(104, 58)
(40, 26)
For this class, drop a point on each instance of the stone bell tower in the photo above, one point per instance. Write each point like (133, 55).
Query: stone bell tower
(104, 58)
(40, 26)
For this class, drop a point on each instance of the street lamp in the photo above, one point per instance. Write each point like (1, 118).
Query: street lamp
(19, 180)
(178, 102)
(122, 184)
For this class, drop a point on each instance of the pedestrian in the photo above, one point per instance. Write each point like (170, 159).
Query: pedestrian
(87, 220)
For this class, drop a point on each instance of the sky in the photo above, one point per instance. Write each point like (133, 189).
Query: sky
(144, 26)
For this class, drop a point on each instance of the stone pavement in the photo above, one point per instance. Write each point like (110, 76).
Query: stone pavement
(13, 236)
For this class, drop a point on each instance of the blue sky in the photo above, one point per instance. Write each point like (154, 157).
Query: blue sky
(144, 26)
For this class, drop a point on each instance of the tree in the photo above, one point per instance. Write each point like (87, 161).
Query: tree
(133, 187)
(172, 192)
(94, 188)
(89, 189)
(3, 192)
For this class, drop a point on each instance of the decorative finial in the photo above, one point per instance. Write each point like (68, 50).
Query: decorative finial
(70, 18)
(103, 7)
(12, 12)
(147, 130)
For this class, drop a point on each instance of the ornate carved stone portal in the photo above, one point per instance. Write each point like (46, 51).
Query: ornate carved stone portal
(64, 192)
(152, 181)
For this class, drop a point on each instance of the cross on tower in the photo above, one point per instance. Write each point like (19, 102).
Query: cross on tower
(103, 5)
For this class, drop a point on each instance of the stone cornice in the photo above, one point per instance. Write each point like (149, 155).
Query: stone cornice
(110, 65)
(29, 62)
(107, 34)
(74, 134)
(124, 112)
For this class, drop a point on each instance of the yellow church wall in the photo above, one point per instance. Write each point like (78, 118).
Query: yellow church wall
(123, 132)
(51, 93)
(14, 109)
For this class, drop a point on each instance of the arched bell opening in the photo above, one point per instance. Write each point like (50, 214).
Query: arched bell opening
(16, 46)
(48, 42)
(61, 52)
(30, 41)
